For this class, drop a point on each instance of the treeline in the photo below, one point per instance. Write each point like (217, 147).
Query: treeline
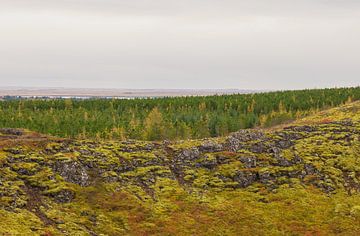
(167, 118)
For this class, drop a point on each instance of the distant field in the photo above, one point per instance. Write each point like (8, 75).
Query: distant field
(129, 93)
(167, 118)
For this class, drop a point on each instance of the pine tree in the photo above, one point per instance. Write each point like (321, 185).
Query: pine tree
(201, 128)
(68, 104)
(153, 125)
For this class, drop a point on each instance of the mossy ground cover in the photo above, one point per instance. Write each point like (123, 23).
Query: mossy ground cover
(302, 179)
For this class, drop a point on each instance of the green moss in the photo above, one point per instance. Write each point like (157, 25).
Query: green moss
(109, 174)
(21, 223)
(230, 170)
(3, 156)
(25, 167)
(288, 154)
(355, 211)
(43, 179)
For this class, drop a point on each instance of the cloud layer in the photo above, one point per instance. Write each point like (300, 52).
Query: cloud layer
(257, 44)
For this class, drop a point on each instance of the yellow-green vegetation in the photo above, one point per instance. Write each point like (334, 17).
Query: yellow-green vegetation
(299, 179)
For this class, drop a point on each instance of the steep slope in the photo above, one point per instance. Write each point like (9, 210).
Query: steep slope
(300, 179)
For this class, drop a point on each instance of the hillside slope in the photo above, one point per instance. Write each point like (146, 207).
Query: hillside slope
(294, 180)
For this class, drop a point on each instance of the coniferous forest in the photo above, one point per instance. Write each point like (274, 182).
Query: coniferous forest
(167, 118)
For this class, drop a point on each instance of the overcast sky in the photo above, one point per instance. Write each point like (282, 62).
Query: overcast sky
(244, 44)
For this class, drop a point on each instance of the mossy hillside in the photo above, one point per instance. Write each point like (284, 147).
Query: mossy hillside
(300, 179)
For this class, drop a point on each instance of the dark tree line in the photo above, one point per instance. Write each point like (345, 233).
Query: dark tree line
(167, 118)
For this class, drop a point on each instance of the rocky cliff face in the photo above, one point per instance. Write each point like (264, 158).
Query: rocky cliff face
(56, 186)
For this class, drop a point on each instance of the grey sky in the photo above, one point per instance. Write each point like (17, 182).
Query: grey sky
(250, 44)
